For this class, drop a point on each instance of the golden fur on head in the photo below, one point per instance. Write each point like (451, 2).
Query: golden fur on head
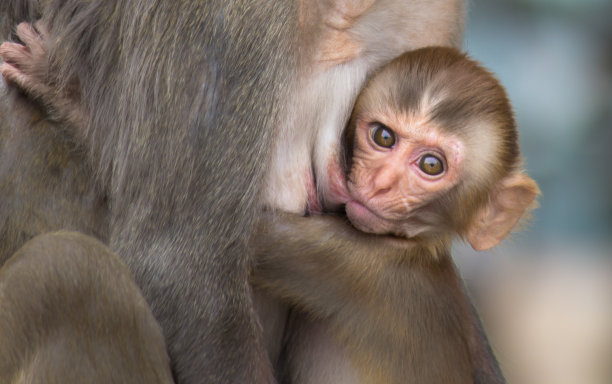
(442, 91)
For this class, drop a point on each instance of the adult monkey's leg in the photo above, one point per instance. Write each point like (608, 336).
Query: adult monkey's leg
(71, 313)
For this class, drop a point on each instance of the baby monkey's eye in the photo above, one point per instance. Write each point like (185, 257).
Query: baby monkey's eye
(431, 165)
(383, 136)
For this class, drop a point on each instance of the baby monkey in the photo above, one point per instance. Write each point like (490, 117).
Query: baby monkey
(431, 154)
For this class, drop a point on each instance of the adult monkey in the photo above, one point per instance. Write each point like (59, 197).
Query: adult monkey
(167, 82)
(124, 158)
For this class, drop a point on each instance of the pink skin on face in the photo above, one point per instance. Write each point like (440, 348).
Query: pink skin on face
(386, 184)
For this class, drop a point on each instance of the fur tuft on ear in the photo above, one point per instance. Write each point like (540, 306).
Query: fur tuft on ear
(508, 203)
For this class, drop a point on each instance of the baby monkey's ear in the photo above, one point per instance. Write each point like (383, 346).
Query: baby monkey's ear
(514, 196)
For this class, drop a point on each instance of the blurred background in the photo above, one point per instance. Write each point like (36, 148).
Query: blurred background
(545, 295)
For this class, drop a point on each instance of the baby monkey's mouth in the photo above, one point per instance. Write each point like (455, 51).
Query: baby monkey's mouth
(367, 220)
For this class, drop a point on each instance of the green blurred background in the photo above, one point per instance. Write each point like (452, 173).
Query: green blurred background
(545, 295)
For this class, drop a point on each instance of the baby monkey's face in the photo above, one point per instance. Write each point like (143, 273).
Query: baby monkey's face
(401, 163)
(435, 152)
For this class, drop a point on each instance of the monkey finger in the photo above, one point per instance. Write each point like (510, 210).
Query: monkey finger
(12, 75)
(33, 37)
(27, 34)
(8, 72)
(14, 53)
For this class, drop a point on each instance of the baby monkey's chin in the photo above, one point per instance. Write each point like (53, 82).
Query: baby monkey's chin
(366, 220)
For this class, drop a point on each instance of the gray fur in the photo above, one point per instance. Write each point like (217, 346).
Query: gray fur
(183, 100)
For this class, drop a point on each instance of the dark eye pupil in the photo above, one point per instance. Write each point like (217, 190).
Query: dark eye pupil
(431, 165)
(384, 136)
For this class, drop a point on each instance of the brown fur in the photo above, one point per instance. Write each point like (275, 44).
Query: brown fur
(45, 179)
(166, 84)
(136, 205)
(401, 315)
(396, 306)
(71, 313)
(466, 97)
